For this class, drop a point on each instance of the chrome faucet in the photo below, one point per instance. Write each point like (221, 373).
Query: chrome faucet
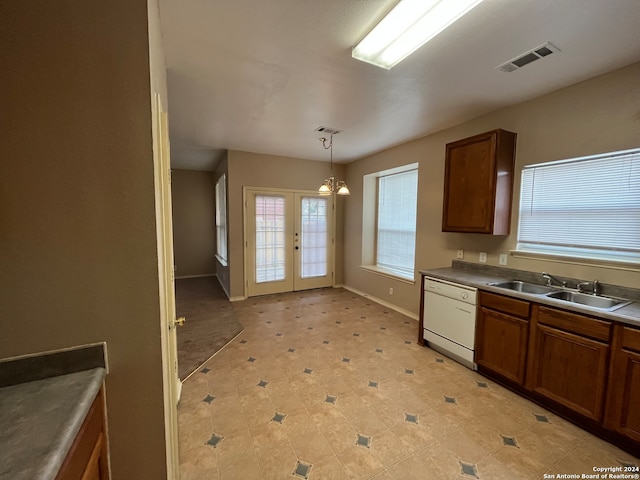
(550, 279)
(595, 287)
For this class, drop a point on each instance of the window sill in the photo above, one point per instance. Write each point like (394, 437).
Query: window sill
(221, 260)
(388, 273)
(577, 260)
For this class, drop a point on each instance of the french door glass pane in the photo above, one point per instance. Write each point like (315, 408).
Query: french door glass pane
(314, 237)
(270, 238)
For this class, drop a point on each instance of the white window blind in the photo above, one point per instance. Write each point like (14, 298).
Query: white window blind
(396, 232)
(221, 218)
(586, 207)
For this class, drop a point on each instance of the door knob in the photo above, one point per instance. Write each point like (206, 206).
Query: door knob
(180, 321)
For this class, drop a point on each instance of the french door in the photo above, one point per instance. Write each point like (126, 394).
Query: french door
(288, 241)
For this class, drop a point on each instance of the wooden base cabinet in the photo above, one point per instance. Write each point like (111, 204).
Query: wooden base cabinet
(623, 400)
(568, 360)
(88, 459)
(502, 331)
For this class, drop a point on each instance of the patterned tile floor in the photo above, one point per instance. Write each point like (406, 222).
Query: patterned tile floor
(326, 384)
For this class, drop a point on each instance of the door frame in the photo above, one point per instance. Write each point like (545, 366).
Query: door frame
(246, 230)
(171, 385)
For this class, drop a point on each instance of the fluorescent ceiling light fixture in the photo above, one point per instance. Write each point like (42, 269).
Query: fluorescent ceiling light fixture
(408, 26)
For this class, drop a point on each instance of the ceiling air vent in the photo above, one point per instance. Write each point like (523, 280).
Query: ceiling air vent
(528, 57)
(328, 130)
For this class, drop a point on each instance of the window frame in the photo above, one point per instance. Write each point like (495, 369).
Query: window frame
(370, 224)
(606, 255)
(221, 220)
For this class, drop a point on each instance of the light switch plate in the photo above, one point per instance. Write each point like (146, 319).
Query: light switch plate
(460, 254)
(482, 257)
(503, 259)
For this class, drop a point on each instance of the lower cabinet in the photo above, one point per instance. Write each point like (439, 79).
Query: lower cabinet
(568, 360)
(502, 331)
(87, 459)
(585, 368)
(623, 399)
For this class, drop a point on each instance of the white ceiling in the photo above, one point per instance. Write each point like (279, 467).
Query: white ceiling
(262, 75)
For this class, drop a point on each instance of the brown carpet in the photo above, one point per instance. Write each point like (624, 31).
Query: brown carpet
(211, 322)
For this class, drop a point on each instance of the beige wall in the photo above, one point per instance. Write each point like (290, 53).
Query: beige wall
(78, 236)
(598, 115)
(194, 222)
(256, 170)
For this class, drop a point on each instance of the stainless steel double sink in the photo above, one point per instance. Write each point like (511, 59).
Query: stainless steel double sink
(600, 302)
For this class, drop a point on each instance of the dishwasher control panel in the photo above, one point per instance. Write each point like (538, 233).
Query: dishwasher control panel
(451, 290)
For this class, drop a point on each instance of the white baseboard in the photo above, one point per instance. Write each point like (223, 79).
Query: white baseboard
(398, 309)
(236, 299)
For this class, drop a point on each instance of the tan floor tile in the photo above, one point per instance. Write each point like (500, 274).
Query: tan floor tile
(324, 435)
(360, 463)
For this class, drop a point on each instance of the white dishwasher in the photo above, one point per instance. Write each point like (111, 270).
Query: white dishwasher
(450, 319)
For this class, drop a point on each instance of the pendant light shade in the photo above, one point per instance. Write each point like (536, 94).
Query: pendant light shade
(330, 185)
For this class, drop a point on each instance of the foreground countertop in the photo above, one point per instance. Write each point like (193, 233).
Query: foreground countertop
(39, 421)
(629, 314)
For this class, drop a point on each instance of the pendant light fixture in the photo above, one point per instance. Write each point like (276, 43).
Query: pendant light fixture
(330, 184)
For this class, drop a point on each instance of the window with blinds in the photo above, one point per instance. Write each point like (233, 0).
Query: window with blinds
(221, 219)
(396, 225)
(586, 207)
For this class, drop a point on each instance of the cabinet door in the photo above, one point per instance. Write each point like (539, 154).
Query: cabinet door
(623, 414)
(478, 183)
(569, 369)
(501, 344)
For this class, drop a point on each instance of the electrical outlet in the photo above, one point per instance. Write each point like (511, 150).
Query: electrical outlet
(482, 257)
(460, 254)
(391, 291)
(503, 259)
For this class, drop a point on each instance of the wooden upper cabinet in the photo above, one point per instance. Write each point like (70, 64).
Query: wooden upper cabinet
(478, 183)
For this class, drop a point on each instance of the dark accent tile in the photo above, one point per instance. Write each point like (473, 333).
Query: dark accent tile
(308, 371)
(338, 322)
(510, 441)
(373, 384)
(362, 317)
(214, 440)
(263, 384)
(326, 342)
(251, 359)
(291, 349)
(378, 350)
(346, 360)
(482, 384)
(386, 313)
(243, 341)
(302, 470)
(278, 417)
(332, 399)
(409, 371)
(269, 321)
(469, 469)
(356, 334)
(406, 322)
(411, 418)
(346, 308)
(324, 312)
(541, 418)
(383, 328)
(309, 328)
(363, 441)
(205, 370)
(408, 342)
(439, 360)
(297, 316)
(208, 399)
(278, 334)
(448, 399)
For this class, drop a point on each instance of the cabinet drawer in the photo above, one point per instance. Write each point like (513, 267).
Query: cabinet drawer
(575, 323)
(509, 305)
(631, 339)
